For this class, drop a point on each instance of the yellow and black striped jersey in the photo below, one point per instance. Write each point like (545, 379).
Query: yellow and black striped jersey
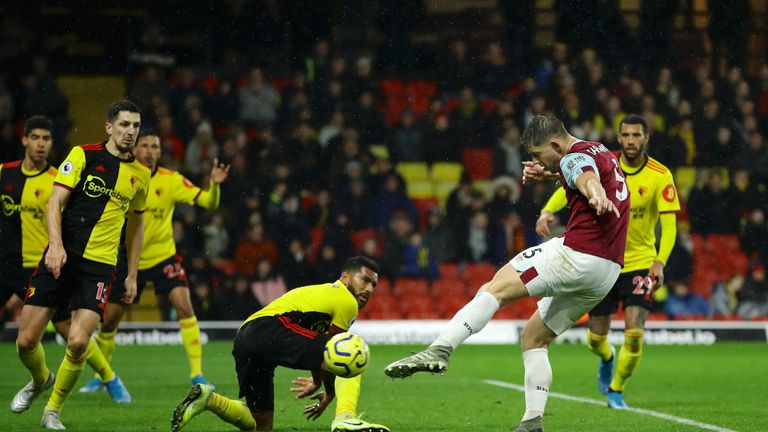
(315, 307)
(23, 231)
(166, 188)
(104, 188)
(653, 192)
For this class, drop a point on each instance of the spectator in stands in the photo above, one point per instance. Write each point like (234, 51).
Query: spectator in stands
(482, 241)
(682, 303)
(753, 297)
(258, 100)
(331, 129)
(755, 157)
(754, 235)
(456, 70)
(393, 263)
(337, 232)
(509, 155)
(393, 198)
(439, 236)
(149, 84)
(441, 143)
(723, 217)
(205, 303)
(467, 122)
(294, 265)
(725, 297)
(238, 302)
(225, 103)
(368, 120)
(356, 203)
(459, 199)
(327, 265)
(680, 262)
(253, 248)
(697, 202)
(216, 237)
(408, 141)
(494, 74)
(186, 94)
(506, 193)
(266, 284)
(201, 151)
(419, 259)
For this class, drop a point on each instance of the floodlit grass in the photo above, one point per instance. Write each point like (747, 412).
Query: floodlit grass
(725, 385)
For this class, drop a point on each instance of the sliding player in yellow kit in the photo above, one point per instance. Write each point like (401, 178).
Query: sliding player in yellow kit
(653, 198)
(292, 332)
(159, 262)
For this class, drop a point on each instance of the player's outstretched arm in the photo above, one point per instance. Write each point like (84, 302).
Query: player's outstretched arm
(210, 197)
(56, 256)
(134, 239)
(589, 185)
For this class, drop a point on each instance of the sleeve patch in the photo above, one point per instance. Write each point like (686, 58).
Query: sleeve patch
(67, 167)
(669, 193)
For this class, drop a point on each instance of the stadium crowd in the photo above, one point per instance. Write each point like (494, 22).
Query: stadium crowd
(318, 154)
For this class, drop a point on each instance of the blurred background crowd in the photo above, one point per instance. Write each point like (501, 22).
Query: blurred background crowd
(393, 132)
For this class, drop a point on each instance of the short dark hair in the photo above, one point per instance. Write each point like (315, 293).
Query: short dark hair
(541, 128)
(150, 132)
(356, 263)
(634, 119)
(37, 122)
(122, 105)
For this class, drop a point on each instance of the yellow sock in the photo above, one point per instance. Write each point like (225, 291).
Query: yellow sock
(347, 394)
(598, 344)
(34, 361)
(190, 336)
(232, 411)
(628, 357)
(106, 343)
(97, 362)
(67, 376)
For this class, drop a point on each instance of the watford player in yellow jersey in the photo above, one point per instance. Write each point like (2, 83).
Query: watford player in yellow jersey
(159, 262)
(653, 197)
(25, 186)
(292, 332)
(96, 186)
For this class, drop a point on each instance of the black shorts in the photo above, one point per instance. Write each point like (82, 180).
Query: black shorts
(631, 289)
(13, 280)
(265, 343)
(82, 284)
(165, 276)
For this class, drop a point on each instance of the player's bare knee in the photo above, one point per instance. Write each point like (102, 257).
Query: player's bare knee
(77, 345)
(26, 342)
(599, 325)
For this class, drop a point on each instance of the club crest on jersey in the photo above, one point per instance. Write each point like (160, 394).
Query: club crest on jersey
(67, 167)
(38, 192)
(642, 190)
(134, 179)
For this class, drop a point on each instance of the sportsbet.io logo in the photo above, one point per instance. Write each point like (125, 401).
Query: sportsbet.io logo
(9, 205)
(95, 187)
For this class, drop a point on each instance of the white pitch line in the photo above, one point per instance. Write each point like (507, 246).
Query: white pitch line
(657, 414)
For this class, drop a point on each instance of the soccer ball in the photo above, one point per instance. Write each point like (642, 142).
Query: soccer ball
(346, 355)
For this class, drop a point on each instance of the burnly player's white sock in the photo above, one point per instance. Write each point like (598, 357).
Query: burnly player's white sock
(538, 378)
(469, 320)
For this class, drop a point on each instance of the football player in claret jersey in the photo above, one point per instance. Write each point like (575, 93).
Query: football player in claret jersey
(654, 198)
(25, 186)
(159, 262)
(292, 332)
(96, 186)
(573, 272)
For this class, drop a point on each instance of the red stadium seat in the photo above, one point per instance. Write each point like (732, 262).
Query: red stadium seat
(423, 205)
(478, 274)
(410, 286)
(391, 87)
(360, 236)
(506, 313)
(383, 288)
(450, 271)
(449, 287)
(478, 162)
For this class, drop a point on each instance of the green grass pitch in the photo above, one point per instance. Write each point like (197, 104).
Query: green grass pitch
(725, 385)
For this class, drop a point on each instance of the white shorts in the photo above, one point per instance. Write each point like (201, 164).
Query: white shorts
(571, 282)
